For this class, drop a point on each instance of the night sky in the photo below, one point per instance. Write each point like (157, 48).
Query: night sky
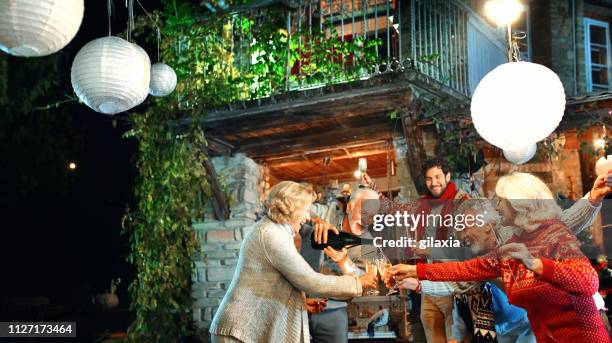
(67, 243)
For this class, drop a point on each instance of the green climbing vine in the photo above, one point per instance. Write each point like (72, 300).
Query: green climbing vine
(169, 185)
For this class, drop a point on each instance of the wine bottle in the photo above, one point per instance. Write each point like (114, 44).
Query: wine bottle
(342, 240)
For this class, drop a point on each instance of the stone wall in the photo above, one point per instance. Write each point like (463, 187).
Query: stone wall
(404, 177)
(220, 240)
(552, 39)
(564, 57)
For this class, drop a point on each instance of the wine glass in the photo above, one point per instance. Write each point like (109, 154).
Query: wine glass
(383, 263)
(372, 270)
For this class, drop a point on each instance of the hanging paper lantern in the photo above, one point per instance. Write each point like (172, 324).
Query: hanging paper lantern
(521, 156)
(603, 165)
(163, 80)
(30, 28)
(111, 75)
(518, 104)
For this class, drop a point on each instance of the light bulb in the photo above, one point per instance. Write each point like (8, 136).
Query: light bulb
(503, 12)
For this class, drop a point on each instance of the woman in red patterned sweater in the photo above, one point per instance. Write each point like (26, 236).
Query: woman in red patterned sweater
(541, 267)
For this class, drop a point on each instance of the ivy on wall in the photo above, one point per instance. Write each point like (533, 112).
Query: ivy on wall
(169, 185)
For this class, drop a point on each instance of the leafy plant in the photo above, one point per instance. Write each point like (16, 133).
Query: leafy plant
(171, 179)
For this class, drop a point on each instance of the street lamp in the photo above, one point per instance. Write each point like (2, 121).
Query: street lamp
(504, 13)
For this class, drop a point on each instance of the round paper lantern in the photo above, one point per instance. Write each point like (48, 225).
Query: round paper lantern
(518, 104)
(30, 28)
(163, 80)
(521, 156)
(603, 165)
(111, 75)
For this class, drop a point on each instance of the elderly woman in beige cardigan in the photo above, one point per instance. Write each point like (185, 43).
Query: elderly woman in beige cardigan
(265, 300)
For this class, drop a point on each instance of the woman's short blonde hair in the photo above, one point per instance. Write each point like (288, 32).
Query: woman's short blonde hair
(286, 198)
(530, 198)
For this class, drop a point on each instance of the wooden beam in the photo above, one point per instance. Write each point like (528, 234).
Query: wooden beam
(381, 131)
(313, 111)
(296, 100)
(580, 119)
(219, 146)
(397, 89)
(414, 139)
(340, 126)
(325, 151)
(220, 205)
(341, 176)
(293, 161)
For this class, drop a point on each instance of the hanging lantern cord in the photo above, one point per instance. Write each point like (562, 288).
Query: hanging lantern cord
(109, 5)
(150, 17)
(158, 40)
(130, 7)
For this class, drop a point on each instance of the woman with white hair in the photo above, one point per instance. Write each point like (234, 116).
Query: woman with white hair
(265, 300)
(541, 266)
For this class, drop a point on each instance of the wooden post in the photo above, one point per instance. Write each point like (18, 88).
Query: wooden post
(220, 205)
(404, 328)
(414, 139)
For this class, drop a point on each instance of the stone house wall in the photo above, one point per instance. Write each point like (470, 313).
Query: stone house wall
(220, 241)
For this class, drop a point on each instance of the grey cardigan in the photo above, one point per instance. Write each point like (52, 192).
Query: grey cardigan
(265, 300)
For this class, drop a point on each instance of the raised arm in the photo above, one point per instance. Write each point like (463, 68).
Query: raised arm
(581, 215)
(282, 255)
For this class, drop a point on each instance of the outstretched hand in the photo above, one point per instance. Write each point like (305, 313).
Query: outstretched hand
(366, 179)
(399, 272)
(336, 255)
(410, 284)
(315, 305)
(368, 281)
(601, 187)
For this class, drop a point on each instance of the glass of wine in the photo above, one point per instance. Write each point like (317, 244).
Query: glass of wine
(383, 264)
(372, 270)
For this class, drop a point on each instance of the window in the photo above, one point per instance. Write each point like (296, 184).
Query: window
(598, 56)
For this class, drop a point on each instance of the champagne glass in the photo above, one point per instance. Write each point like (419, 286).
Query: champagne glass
(383, 263)
(372, 270)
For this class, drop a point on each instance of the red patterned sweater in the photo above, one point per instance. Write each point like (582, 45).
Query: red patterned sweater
(559, 302)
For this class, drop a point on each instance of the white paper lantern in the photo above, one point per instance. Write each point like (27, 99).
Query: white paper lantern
(518, 104)
(521, 156)
(163, 80)
(30, 28)
(111, 75)
(603, 165)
